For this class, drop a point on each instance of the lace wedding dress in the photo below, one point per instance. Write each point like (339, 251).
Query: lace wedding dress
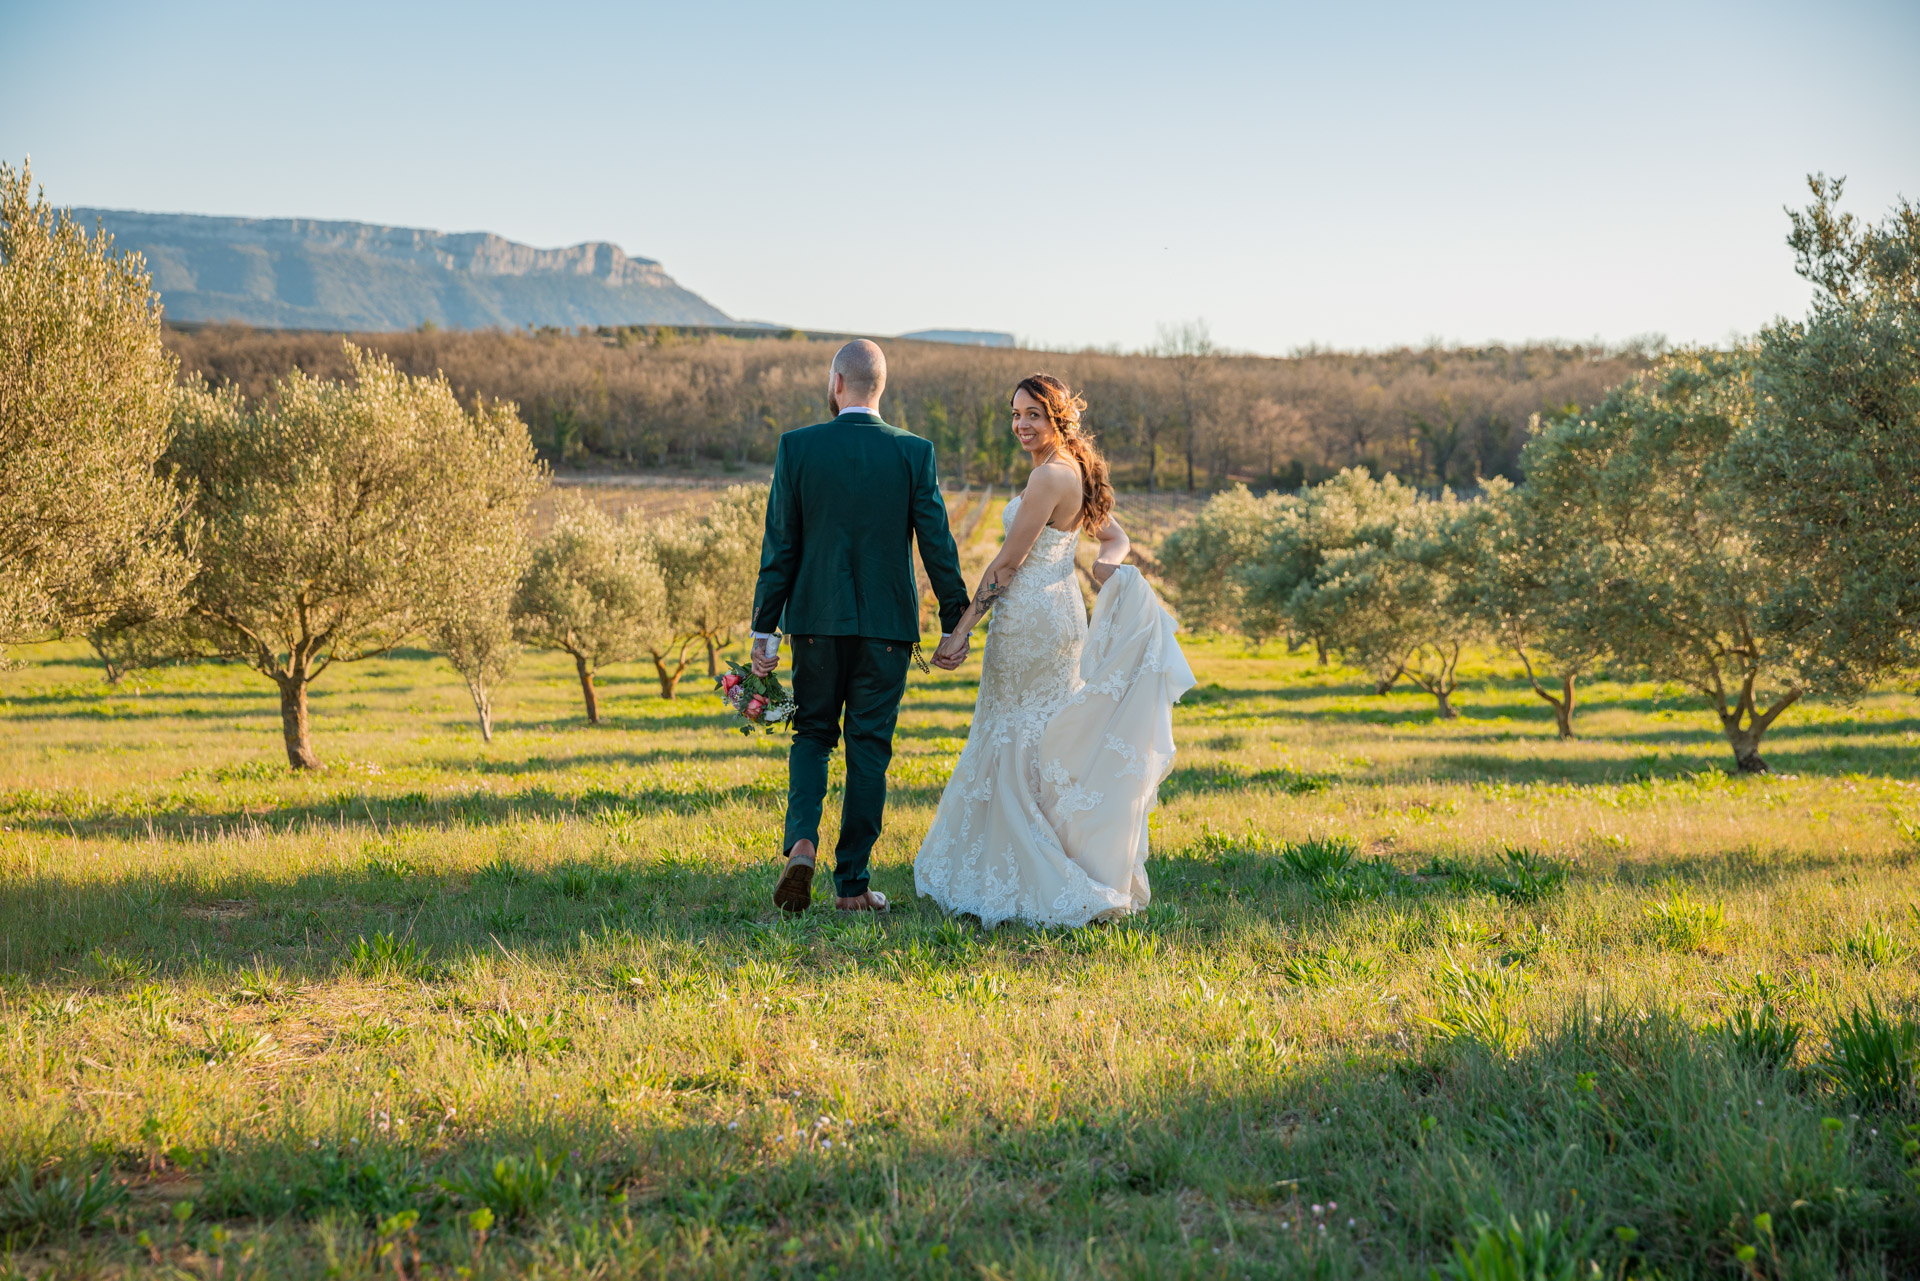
(1045, 817)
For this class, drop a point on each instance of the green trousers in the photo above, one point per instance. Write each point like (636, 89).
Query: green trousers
(852, 683)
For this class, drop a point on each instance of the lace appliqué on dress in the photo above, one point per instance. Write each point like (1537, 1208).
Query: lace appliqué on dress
(1021, 822)
(1134, 767)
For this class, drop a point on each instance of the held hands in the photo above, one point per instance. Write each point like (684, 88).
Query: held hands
(952, 651)
(766, 655)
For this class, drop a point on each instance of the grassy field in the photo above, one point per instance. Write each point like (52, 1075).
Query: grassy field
(1411, 995)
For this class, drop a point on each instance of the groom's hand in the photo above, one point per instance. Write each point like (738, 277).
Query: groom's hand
(766, 655)
(951, 653)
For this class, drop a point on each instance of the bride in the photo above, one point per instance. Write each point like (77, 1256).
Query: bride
(1045, 817)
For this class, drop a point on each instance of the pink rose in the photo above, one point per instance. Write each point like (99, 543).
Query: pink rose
(755, 706)
(730, 680)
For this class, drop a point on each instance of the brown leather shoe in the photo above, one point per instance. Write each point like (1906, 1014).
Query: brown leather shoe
(794, 890)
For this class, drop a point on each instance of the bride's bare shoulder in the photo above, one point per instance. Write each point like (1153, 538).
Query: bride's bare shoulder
(1055, 478)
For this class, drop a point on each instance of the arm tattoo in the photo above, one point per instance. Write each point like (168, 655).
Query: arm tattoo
(989, 593)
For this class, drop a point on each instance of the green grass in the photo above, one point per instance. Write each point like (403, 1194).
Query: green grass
(1411, 996)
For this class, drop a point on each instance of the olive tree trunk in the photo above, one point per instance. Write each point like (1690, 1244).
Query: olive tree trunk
(1442, 680)
(1745, 725)
(669, 678)
(294, 725)
(587, 691)
(483, 708)
(1563, 705)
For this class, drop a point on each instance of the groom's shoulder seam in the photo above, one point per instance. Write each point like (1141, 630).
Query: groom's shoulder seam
(906, 437)
(800, 434)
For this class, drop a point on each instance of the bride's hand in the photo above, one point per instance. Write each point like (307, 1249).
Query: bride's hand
(952, 652)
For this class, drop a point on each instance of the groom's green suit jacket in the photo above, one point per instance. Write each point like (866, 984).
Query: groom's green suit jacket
(849, 497)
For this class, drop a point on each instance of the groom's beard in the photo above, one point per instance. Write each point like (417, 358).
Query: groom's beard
(833, 405)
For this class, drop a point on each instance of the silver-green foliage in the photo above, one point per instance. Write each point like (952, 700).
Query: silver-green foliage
(336, 519)
(1386, 600)
(86, 521)
(1205, 561)
(708, 568)
(1517, 575)
(1331, 517)
(593, 589)
(1370, 568)
(1661, 567)
(1831, 460)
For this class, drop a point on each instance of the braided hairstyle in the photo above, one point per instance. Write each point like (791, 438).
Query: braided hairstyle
(1063, 410)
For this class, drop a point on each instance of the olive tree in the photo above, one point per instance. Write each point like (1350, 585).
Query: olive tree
(1205, 562)
(709, 567)
(473, 625)
(87, 521)
(1660, 543)
(1518, 569)
(1830, 463)
(591, 589)
(1386, 601)
(1277, 584)
(335, 518)
(478, 641)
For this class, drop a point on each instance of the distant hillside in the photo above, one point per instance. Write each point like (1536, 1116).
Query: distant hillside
(965, 337)
(295, 273)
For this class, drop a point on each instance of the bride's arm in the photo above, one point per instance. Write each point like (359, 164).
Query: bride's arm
(1045, 489)
(1114, 547)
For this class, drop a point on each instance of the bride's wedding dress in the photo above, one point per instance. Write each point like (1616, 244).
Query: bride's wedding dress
(1045, 817)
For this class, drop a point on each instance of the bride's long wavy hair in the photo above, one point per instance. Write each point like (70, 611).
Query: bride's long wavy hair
(1064, 408)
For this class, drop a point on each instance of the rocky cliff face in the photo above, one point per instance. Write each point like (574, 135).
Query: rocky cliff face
(296, 273)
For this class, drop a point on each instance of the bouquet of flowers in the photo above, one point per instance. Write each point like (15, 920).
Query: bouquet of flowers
(762, 700)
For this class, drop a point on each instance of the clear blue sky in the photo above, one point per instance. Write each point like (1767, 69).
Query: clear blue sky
(1358, 174)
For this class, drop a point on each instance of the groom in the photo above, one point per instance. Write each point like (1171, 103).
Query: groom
(836, 575)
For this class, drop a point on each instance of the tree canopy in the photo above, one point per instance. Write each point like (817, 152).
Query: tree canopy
(1831, 460)
(338, 518)
(86, 520)
(593, 590)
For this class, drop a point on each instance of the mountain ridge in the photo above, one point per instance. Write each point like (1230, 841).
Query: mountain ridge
(306, 273)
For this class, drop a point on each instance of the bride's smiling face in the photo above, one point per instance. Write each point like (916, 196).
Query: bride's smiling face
(1031, 425)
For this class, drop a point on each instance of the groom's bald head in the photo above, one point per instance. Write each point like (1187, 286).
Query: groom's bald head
(859, 373)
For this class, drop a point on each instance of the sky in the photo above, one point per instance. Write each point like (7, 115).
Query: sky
(1359, 175)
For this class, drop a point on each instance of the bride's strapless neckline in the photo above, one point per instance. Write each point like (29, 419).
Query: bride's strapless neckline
(1007, 515)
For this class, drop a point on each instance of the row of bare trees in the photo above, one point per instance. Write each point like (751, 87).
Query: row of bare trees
(1185, 415)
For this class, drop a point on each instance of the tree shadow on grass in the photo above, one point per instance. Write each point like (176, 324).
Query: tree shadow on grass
(1226, 1153)
(1708, 752)
(1206, 894)
(69, 816)
(635, 759)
